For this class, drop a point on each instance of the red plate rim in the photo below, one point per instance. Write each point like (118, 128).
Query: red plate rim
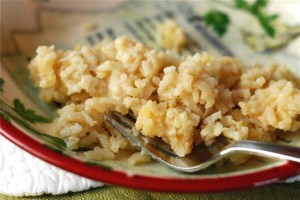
(160, 184)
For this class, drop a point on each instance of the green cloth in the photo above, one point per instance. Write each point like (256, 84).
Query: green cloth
(279, 191)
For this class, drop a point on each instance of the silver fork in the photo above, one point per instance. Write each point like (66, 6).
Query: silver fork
(201, 158)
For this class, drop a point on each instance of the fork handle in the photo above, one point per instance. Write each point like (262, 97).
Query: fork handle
(269, 149)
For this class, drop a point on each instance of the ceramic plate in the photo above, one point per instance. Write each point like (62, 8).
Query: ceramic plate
(24, 115)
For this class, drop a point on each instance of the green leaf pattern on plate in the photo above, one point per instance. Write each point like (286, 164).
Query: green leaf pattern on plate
(25, 117)
(28, 114)
(1, 84)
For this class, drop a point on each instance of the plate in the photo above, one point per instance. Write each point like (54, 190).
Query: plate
(65, 25)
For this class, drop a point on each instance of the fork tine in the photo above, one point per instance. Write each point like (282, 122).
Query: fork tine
(129, 121)
(126, 127)
(109, 117)
(157, 149)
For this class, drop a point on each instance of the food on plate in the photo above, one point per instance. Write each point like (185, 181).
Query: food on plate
(185, 100)
(170, 35)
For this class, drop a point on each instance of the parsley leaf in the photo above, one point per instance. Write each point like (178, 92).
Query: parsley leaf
(218, 20)
(28, 114)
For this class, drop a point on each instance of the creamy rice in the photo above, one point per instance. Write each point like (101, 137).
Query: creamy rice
(185, 100)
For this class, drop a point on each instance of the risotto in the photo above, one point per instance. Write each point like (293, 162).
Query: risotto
(184, 100)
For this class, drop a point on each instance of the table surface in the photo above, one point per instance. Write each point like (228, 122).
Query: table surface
(280, 191)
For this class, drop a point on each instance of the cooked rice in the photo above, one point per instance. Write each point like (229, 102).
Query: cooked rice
(185, 100)
(170, 35)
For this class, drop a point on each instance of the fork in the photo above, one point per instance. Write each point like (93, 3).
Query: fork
(199, 159)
